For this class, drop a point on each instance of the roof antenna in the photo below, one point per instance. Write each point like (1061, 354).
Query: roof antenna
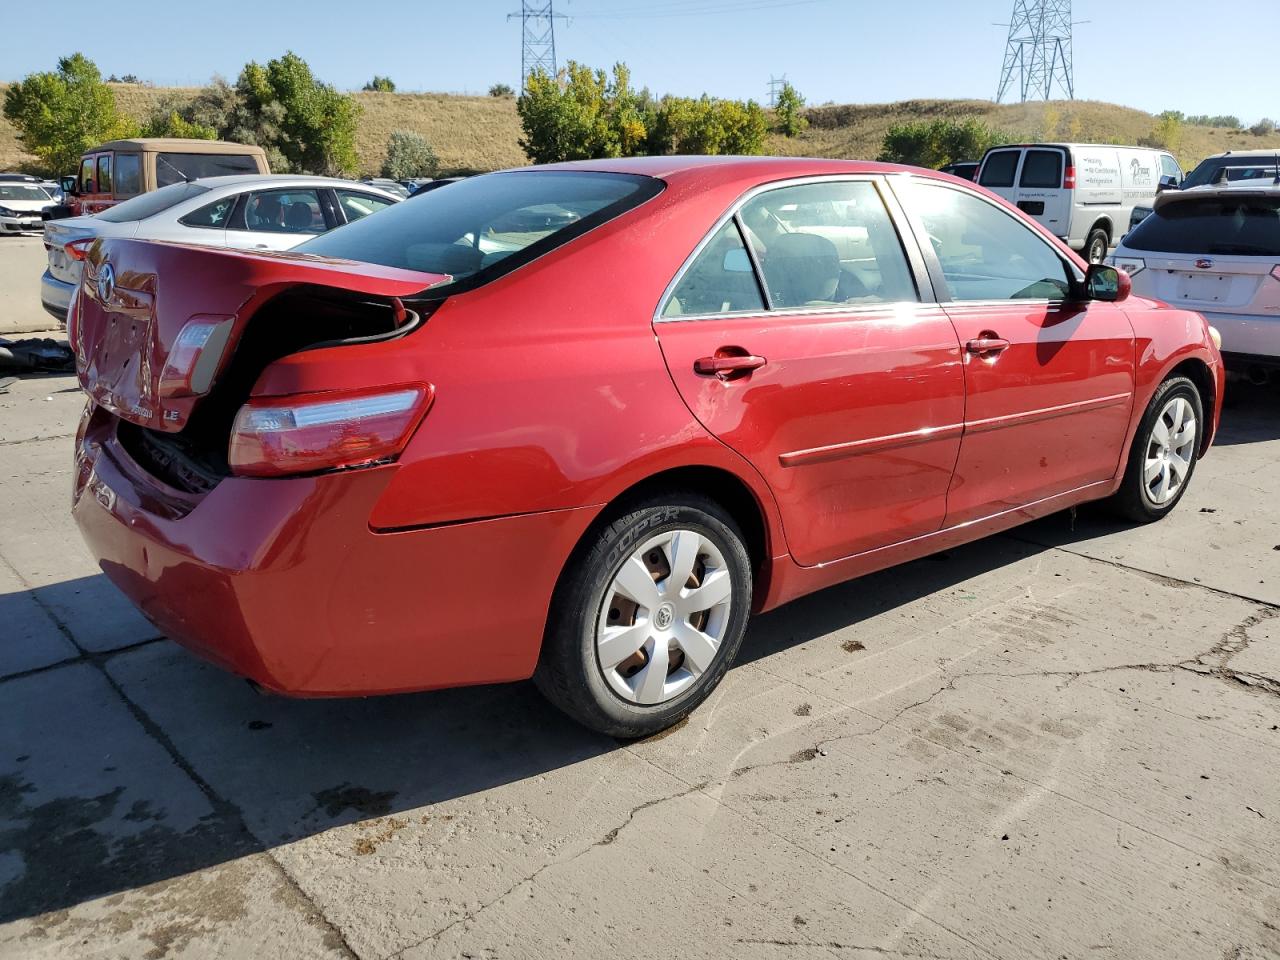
(1277, 179)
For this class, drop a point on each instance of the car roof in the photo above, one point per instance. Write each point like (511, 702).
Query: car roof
(191, 145)
(280, 181)
(1259, 188)
(1245, 155)
(730, 167)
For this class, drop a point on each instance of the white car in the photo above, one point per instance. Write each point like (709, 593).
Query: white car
(247, 212)
(1083, 193)
(21, 205)
(1215, 250)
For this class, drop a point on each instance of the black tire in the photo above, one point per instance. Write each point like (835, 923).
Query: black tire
(1096, 247)
(1132, 501)
(569, 673)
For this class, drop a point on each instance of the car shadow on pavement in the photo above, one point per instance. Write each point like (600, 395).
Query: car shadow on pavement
(1251, 413)
(127, 768)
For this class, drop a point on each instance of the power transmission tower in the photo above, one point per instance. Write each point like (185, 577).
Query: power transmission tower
(1038, 52)
(775, 87)
(538, 47)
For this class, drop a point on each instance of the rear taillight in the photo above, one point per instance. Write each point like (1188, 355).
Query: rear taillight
(78, 249)
(195, 357)
(1069, 179)
(1275, 271)
(278, 436)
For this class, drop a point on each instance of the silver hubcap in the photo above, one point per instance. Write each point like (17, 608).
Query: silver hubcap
(1169, 451)
(1097, 251)
(663, 617)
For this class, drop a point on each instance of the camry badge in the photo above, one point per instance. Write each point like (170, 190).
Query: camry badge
(106, 282)
(1204, 263)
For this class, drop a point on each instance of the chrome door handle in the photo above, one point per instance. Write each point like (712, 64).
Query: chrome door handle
(987, 345)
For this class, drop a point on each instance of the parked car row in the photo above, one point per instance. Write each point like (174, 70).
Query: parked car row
(256, 212)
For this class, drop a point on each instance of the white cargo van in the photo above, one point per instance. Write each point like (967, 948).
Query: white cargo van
(1082, 192)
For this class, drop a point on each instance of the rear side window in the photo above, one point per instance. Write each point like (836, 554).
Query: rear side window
(999, 169)
(128, 174)
(1042, 168)
(357, 206)
(1243, 226)
(213, 215)
(485, 226)
(104, 173)
(176, 167)
(149, 204)
(720, 280)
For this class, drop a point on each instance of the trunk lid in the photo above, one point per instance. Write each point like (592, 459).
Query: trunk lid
(1217, 284)
(136, 297)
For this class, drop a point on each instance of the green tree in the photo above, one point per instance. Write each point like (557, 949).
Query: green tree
(936, 143)
(787, 111)
(61, 114)
(173, 124)
(501, 90)
(381, 84)
(1167, 132)
(409, 155)
(572, 115)
(309, 124)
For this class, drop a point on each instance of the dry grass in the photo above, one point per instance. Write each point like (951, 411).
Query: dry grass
(482, 133)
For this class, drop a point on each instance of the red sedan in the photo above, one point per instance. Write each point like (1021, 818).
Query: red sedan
(578, 422)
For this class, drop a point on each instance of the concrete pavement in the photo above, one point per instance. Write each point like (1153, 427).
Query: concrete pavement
(22, 261)
(1057, 743)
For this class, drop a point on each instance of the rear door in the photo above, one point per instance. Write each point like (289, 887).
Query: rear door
(999, 172)
(812, 353)
(1048, 380)
(1040, 191)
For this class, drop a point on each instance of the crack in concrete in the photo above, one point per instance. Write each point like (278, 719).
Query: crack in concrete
(837, 945)
(54, 436)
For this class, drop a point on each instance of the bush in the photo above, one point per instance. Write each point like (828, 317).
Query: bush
(501, 90)
(173, 124)
(380, 85)
(1263, 128)
(787, 111)
(936, 143)
(62, 114)
(585, 114)
(409, 156)
(1205, 120)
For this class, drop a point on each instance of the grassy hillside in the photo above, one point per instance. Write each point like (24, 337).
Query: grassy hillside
(482, 133)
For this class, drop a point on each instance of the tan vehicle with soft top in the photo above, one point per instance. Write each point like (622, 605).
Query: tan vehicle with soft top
(120, 169)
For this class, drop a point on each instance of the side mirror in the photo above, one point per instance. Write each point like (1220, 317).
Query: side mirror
(736, 261)
(1107, 283)
(1167, 183)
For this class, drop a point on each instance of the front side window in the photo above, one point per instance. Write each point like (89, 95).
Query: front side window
(104, 173)
(284, 211)
(827, 244)
(1042, 168)
(1225, 225)
(720, 280)
(984, 252)
(357, 206)
(1169, 167)
(128, 174)
(176, 167)
(999, 169)
(87, 179)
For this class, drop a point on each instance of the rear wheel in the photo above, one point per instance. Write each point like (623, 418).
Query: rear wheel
(1096, 247)
(1163, 456)
(648, 617)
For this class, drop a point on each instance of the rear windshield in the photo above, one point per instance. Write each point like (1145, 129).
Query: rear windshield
(999, 169)
(1237, 169)
(176, 167)
(1245, 226)
(485, 226)
(1042, 168)
(149, 204)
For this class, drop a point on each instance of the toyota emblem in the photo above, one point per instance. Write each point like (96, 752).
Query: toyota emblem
(106, 282)
(1204, 263)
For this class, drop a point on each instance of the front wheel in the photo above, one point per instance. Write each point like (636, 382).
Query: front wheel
(1095, 248)
(648, 617)
(1164, 452)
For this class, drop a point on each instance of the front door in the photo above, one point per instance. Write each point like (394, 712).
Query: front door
(1049, 378)
(812, 355)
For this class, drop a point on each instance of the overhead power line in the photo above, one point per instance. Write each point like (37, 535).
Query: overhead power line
(1037, 55)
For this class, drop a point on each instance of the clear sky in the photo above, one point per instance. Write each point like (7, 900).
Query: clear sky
(1176, 54)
